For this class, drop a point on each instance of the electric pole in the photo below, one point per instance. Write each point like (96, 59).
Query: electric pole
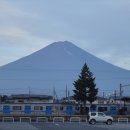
(121, 91)
(29, 92)
(120, 94)
(66, 91)
(115, 94)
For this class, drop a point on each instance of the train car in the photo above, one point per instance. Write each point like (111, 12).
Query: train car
(55, 108)
(39, 108)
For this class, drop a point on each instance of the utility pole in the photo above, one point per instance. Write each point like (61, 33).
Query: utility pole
(115, 95)
(66, 92)
(121, 91)
(120, 94)
(55, 97)
(103, 94)
(68, 95)
(29, 92)
(54, 94)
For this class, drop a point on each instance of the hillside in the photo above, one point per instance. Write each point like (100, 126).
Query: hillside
(56, 66)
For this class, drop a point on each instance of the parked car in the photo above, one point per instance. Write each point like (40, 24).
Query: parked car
(94, 117)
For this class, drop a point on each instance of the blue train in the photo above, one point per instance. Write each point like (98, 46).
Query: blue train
(54, 108)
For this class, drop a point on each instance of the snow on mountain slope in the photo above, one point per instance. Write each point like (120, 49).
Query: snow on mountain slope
(58, 65)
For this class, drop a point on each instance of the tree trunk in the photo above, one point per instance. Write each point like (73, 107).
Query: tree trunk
(84, 112)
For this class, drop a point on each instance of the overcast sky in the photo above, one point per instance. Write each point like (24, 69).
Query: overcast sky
(101, 27)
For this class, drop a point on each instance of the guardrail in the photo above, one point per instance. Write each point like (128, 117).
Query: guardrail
(122, 120)
(25, 119)
(50, 118)
(75, 119)
(41, 119)
(58, 119)
(8, 119)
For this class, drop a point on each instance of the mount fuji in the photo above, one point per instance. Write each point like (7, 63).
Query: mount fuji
(57, 66)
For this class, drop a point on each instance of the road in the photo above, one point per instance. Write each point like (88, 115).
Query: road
(62, 126)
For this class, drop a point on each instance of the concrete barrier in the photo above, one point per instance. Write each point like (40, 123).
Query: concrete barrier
(122, 120)
(58, 119)
(25, 119)
(75, 119)
(8, 119)
(41, 119)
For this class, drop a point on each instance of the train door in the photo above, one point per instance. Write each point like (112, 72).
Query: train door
(113, 110)
(27, 109)
(93, 108)
(6, 109)
(48, 109)
(69, 110)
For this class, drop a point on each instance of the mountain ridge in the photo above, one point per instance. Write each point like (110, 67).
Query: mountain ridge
(63, 43)
(59, 64)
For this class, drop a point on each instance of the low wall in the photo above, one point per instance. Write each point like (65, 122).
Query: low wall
(115, 118)
(50, 117)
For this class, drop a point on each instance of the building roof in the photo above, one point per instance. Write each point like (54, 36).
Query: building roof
(101, 98)
(68, 98)
(71, 98)
(24, 96)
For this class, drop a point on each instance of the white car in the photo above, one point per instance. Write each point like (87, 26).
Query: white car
(99, 117)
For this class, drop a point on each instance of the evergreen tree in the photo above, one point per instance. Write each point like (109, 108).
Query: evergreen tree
(85, 87)
(4, 98)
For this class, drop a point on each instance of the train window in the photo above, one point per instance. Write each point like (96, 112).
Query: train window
(38, 107)
(105, 108)
(55, 108)
(61, 108)
(20, 100)
(102, 109)
(77, 108)
(17, 107)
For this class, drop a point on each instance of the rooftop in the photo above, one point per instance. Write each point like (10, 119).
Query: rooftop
(23, 96)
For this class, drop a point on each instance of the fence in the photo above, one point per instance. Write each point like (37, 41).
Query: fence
(8, 119)
(58, 119)
(122, 120)
(75, 119)
(41, 119)
(25, 119)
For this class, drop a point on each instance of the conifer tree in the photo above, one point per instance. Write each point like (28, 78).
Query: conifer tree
(85, 87)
